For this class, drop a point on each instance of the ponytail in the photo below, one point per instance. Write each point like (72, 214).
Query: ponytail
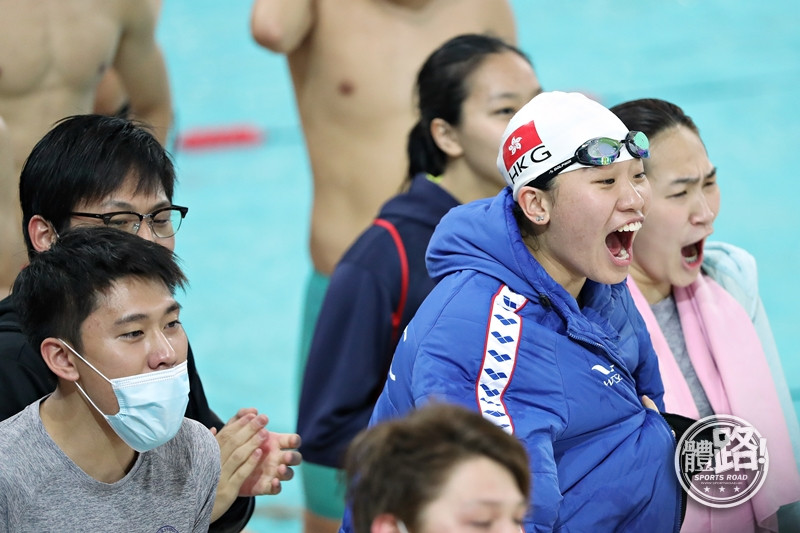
(423, 153)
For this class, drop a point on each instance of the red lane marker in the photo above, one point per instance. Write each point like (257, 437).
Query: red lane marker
(220, 137)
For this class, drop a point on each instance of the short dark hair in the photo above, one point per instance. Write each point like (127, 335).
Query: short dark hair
(652, 116)
(86, 158)
(399, 466)
(61, 286)
(441, 90)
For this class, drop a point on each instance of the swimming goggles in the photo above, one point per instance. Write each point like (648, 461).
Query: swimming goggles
(599, 152)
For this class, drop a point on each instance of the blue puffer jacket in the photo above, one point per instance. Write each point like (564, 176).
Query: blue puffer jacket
(498, 334)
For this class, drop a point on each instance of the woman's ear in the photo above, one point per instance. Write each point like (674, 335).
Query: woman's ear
(535, 204)
(446, 138)
(42, 233)
(57, 358)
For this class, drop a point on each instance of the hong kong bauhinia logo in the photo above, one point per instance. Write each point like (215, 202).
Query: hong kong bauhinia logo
(721, 461)
(523, 148)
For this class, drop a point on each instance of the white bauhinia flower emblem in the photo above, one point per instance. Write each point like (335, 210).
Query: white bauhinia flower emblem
(515, 145)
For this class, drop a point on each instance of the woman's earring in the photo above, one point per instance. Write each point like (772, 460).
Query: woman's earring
(539, 218)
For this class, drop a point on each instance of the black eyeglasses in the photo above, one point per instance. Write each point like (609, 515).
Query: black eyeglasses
(598, 152)
(164, 222)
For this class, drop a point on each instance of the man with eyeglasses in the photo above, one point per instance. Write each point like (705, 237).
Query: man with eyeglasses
(164, 222)
(92, 169)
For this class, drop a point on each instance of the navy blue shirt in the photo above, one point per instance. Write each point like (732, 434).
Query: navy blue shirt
(352, 345)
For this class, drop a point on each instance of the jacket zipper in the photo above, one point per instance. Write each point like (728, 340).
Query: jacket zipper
(677, 522)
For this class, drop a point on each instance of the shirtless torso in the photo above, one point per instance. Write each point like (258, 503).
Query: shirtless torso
(53, 54)
(353, 66)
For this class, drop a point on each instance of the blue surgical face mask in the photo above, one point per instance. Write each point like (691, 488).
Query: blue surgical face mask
(151, 405)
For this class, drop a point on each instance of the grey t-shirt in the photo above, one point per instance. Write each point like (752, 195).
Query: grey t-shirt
(666, 313)
(170, 489)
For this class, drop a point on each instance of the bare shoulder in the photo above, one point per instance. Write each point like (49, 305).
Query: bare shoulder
(282, 25)
(138, 13)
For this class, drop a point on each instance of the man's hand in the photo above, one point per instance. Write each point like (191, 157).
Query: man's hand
(275, 466)
(253, 461)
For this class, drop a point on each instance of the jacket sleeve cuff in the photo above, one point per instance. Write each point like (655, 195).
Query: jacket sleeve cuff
(236, 517)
